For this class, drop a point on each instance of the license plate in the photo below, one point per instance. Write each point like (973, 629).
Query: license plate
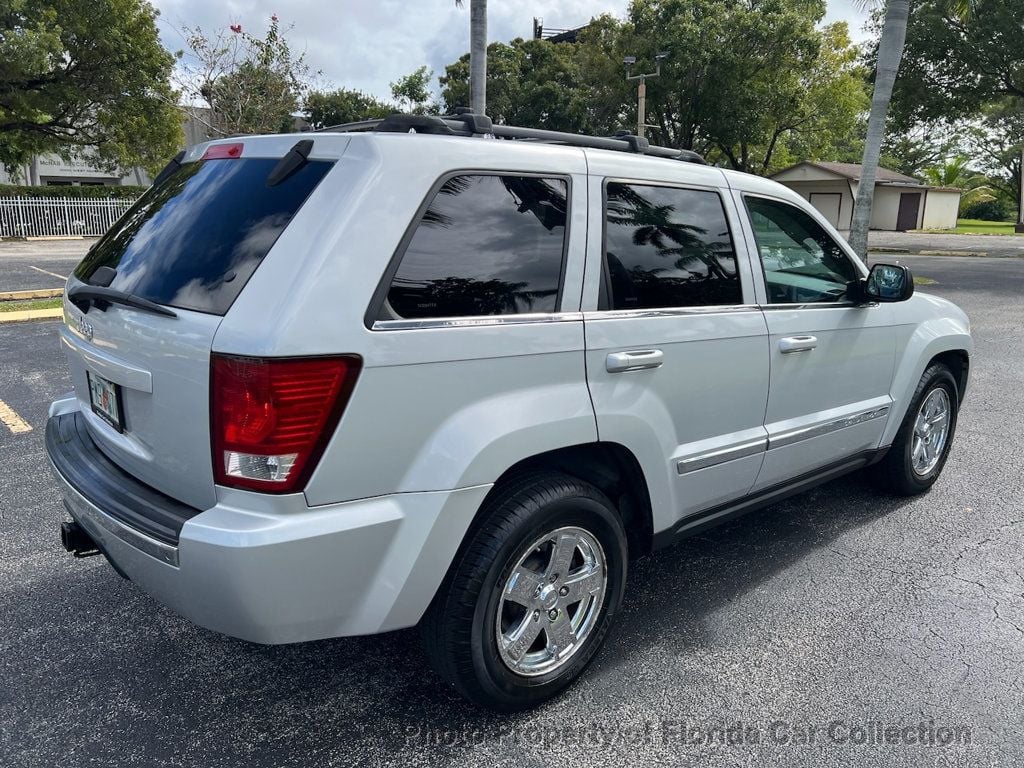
(105, 397)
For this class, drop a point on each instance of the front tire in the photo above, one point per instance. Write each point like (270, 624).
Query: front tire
(919, 452)
(532, 593)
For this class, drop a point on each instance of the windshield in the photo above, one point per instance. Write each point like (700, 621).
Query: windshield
(195, 240)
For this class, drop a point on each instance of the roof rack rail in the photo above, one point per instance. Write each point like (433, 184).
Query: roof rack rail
(466, 123)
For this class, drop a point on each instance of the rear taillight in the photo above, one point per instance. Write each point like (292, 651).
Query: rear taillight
(272, 417)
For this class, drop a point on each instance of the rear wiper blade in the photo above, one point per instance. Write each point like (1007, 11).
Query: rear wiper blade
(96, 293)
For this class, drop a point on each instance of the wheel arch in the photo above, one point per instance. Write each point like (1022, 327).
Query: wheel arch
(610, 467)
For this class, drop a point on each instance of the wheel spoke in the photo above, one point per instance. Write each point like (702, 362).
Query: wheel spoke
(522, 586)
(561, 555)
(519, 641)
(560, 632)
(583, 584)
(917, 451)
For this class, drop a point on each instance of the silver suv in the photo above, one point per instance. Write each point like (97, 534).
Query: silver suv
(429, 371)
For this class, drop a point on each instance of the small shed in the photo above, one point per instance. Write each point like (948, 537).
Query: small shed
(901, 202)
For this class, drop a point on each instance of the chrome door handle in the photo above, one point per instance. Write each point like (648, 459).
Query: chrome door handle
(797, 344)
(634, 360)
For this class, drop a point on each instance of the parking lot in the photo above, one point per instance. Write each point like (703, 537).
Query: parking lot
(793, 636)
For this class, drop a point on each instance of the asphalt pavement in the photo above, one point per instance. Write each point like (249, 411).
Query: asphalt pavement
(842, 627)
(28, 265)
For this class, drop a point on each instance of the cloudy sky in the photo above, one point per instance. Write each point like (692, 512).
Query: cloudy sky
(367, 44)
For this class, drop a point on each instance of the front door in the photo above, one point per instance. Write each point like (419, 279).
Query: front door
(831, 361)
(677, 358)
(906, 216)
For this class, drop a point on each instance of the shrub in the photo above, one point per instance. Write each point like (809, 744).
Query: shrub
(17, 190)
(986, 210)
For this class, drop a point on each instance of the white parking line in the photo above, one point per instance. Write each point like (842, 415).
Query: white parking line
(47, 272)
(13, 421)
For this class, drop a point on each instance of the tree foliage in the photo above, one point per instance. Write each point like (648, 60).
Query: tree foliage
(753, 83)
(955, 66)
(344, 105)
(243, 83)
(85, 78)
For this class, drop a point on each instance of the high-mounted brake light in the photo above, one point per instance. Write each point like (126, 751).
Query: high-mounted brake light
(223, 151)
(272, 417)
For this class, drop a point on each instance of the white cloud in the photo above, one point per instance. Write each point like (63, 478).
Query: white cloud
(367, 44)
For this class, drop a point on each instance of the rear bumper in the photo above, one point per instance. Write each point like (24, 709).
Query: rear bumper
(273, 570)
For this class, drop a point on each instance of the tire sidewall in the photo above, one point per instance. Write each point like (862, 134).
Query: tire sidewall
(498, 681)
(934, 378)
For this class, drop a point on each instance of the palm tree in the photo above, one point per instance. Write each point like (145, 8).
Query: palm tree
(958, 173)
(890, 52)
(477, 55)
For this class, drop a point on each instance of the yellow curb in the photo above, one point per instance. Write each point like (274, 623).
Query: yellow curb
(33, 238)
(31, 314)
(42, 293)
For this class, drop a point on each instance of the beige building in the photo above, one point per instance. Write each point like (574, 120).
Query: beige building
(900, 203)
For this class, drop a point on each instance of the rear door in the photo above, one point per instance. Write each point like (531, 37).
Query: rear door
(831, 361)
(677, 357)
(190, 244)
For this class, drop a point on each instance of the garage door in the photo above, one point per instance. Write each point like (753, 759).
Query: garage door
(829, 204)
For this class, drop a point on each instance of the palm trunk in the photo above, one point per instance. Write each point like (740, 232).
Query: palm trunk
(478, 56)
(890, 51)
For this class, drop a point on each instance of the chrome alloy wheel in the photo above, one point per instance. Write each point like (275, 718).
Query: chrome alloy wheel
(551, 601)
(931, 430)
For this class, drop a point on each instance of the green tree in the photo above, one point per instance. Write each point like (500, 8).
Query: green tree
(244, 83)
(344, 105)
(533, 83)
(85, 78)
(956, 172)
(750, 84)
(412, 92)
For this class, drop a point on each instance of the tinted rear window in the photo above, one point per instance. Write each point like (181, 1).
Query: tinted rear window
(486, 245)
(194, 241)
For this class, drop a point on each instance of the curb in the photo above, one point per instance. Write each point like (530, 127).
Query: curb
(36, 238)
(28, 315)
(41, 293)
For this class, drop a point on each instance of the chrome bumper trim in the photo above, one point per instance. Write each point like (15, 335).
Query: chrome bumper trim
(95, 520)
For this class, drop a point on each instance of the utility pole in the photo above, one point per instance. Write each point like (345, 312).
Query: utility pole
(641, 89)
(1020, 203)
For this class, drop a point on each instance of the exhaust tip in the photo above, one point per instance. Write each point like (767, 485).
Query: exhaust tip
(77, 541)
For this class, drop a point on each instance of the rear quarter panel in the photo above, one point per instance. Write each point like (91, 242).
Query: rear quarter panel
(433, 409)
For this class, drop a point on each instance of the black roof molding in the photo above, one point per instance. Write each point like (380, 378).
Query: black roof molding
(468, 124)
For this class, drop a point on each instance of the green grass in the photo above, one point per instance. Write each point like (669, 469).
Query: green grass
(919, 280)
(977, 227)
(18, 306)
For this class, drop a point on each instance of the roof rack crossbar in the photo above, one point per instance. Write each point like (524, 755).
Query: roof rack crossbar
(468, 124)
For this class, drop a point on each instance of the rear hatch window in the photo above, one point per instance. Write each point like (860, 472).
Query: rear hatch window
(194, 240)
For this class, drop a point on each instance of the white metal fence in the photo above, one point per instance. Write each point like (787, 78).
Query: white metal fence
(59, 216)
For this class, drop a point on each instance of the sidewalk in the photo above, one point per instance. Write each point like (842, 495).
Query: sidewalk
(926, 244)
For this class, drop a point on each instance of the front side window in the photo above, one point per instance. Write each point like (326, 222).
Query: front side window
(668, 247)
(486, 245)
(802, 263)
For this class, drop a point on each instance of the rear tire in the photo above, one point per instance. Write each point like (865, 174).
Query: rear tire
(919, 452)
(532, 593)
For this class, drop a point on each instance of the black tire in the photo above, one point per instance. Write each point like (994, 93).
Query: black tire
(458, 629)
(895, 473)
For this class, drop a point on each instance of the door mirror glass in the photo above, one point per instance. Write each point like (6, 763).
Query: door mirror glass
(889, 282)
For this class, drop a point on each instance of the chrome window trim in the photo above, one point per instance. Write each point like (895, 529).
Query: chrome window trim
(792, 436)
(618, 314)
(721, 455)
(476, 321)
(89, 515)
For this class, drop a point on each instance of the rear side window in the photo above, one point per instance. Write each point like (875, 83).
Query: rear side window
(194, 241)
(668, 247)
(486, 245)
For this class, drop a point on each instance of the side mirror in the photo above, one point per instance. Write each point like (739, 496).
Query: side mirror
(888, 282)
